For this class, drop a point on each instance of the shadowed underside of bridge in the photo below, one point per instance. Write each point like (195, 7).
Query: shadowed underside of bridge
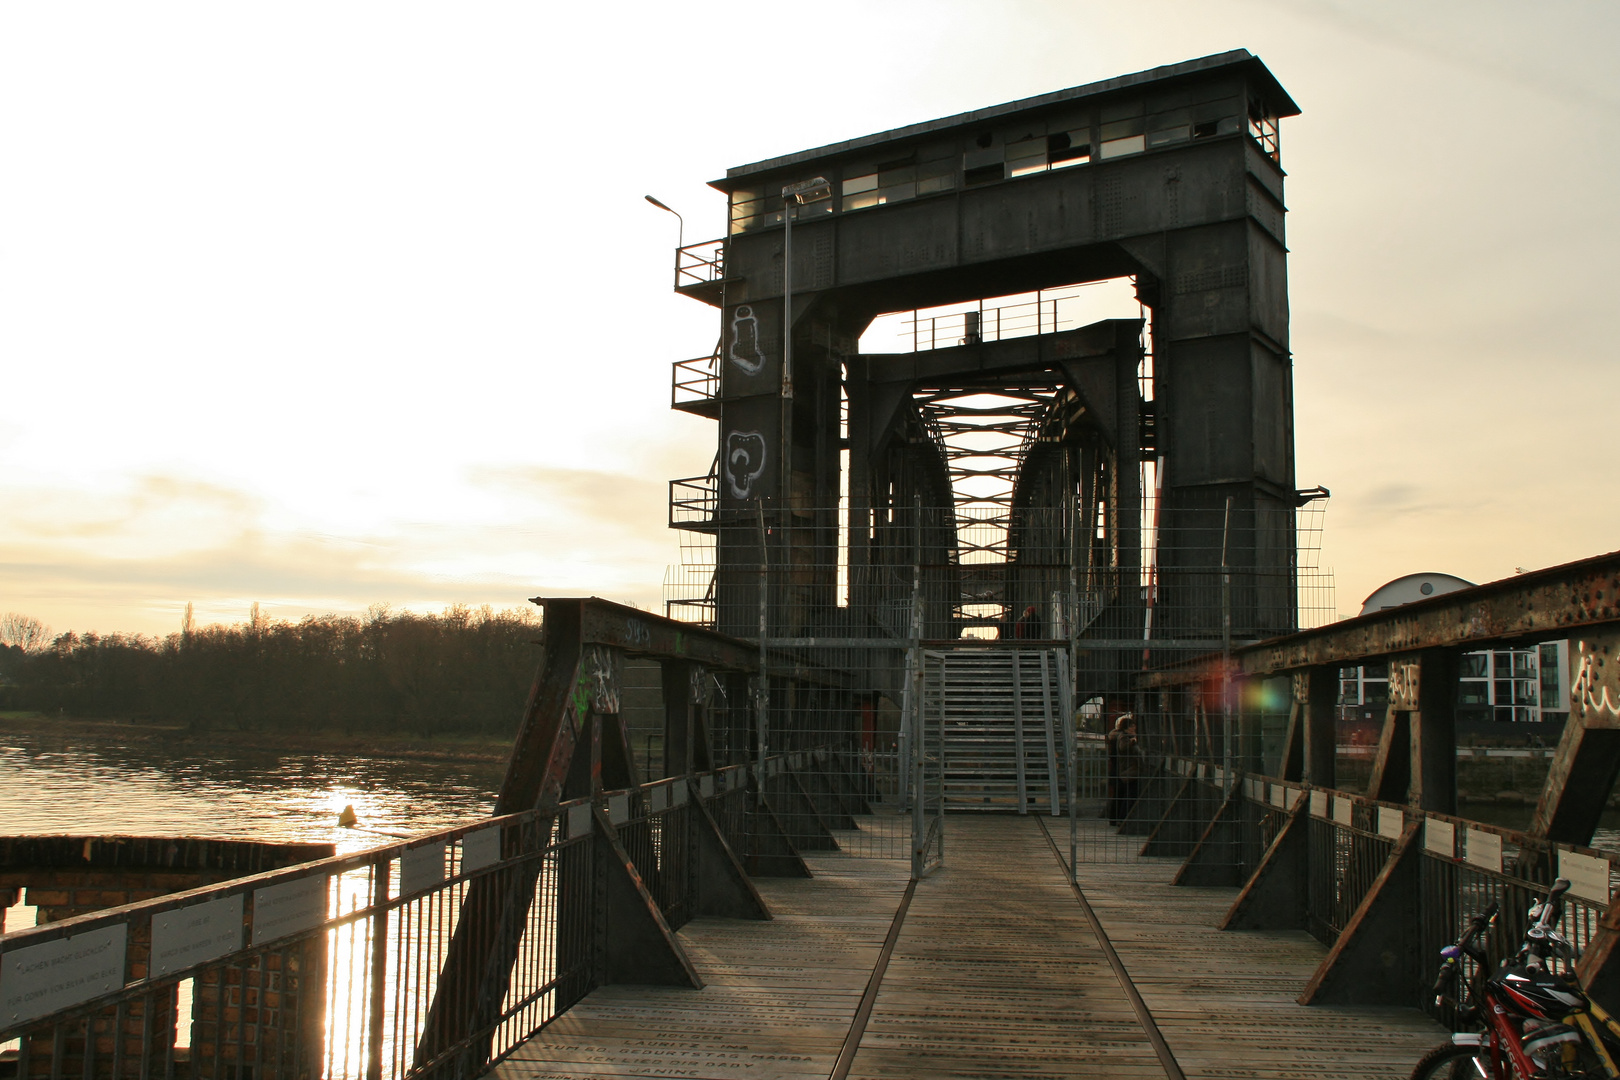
(996, 971)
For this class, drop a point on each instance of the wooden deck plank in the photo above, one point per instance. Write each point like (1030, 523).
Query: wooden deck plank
(778, 999)
(996, 974)
(1234, 1013)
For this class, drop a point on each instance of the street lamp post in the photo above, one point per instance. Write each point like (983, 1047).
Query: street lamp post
(793, 197)
(680, 234)
(681, 242)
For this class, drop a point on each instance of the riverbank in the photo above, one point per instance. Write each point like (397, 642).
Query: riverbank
(403, 746)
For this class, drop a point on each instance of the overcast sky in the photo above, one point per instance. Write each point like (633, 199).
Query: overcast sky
(330, 304)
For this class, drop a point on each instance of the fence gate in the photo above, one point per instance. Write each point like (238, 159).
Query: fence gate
(927, 725)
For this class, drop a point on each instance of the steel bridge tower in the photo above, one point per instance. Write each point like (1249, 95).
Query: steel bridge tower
(997, 473)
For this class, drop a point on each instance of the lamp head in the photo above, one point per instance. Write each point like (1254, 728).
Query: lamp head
(807, 191)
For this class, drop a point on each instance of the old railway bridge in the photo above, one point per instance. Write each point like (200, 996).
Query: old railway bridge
(843, 810)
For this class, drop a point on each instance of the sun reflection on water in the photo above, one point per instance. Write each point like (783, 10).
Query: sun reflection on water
(54, 783)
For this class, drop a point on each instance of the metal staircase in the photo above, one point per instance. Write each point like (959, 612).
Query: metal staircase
(1006, 717)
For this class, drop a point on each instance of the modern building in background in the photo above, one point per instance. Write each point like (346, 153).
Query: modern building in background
(1495, 686)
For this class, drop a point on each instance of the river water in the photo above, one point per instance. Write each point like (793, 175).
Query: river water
(73, 782)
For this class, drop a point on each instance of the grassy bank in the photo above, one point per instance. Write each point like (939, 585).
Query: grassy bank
(396, 745)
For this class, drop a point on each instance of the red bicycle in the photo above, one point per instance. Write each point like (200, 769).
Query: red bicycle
(1523, 1021)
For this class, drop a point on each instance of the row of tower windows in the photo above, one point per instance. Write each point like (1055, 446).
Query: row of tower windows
(988, 159)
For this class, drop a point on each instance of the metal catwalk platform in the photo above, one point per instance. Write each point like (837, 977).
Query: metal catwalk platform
(997, 970)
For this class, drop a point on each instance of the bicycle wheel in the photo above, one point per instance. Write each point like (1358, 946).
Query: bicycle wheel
(1448, 1061)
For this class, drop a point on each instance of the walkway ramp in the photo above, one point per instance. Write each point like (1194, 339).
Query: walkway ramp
(997, 971)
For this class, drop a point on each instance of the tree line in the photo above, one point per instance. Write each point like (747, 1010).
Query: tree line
(462, 671)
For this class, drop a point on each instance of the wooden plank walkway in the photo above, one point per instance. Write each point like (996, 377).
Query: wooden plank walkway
(1227, 1002)
(996, 974)
(778, 997)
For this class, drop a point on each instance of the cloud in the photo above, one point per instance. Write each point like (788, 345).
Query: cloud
(615, 499)
(131, 559)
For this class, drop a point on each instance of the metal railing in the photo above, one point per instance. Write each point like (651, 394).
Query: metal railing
(700, 264)
(945, 329)
(283, 971)
(347, 967)
(694, 502)
(695, 384)
(1462, 865)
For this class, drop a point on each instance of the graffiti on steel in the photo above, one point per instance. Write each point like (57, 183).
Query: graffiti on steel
(744, 350)
(602, 667)
(745, 461)
(1595, 691)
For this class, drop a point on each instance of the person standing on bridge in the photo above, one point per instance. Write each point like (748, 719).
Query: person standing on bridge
(1124, 768)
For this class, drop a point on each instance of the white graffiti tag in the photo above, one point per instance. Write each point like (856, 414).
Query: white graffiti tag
(1590, 694)
(745, 460)
(744, 350)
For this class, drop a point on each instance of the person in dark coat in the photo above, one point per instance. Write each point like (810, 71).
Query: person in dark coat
(1124, 768)
(1029, 624)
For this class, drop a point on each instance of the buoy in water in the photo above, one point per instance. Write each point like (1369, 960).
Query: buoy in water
(347, 819)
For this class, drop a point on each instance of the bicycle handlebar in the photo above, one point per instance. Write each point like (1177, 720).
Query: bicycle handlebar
(1541, 938)
(1552, 909)
(1478, 923)
(1448, 965)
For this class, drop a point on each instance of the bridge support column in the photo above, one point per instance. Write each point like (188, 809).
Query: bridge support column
(1143, 817)
(1276, 896)
(803, 820)
(1177, 828)
(721, 884)
(686, 737)
(1584, 768)
(770, 850)
(829, 802)
(1417, 750)
(1214, 859)
(1309, 749)
(1375, 959)
(633, 942)
(1599, 967)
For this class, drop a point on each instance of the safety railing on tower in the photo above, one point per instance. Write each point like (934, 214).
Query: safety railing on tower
(694, 501)
(700, 264)
(695, 386)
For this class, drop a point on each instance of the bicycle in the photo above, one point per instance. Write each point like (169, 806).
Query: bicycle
(1522, 1021)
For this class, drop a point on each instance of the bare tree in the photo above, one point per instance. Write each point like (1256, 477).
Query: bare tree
(24, 631)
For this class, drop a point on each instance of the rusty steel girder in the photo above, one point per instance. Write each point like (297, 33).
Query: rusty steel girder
(641, 633)
(1539, 604)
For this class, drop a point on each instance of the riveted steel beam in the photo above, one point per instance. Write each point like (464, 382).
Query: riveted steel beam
(1555, 602)
(641, 633)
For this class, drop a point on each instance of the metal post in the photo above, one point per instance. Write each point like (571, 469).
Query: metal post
(1072, 506)
(1018, 728)
(762, 693)
(379, 971)
(785, 447)
(916, 569)
(905, 764)
(917, 714)
(1072, 746)
(919, 792)
(939, 773)
(1226, 647)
